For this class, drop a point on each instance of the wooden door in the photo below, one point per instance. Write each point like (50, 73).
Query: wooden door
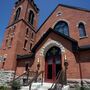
(52, 64)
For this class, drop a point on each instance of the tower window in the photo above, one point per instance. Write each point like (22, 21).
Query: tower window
(27, 31)
(8, 32)
(62, 27)
(82, 32)
(6, 43)
(17, 14)
(30, 46)
(31, 17)
(25, 44)
(11, 42)
(32, 35)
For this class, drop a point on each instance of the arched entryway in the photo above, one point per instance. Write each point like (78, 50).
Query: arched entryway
(52, 63)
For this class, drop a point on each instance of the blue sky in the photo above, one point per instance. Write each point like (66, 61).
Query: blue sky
(45, 6)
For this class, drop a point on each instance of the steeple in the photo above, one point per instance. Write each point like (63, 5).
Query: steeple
(20, 32)
(25, 10)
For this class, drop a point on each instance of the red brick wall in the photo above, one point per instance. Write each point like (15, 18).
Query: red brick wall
(72, 17)
(73, 68)
(21, 65)
(85, 63)
(25, 7)
(77, 69)
(17, 46)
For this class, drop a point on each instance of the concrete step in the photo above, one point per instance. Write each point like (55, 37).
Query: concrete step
(44, 86)
(37, 86)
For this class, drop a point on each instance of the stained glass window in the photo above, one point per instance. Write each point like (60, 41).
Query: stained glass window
(82, 31)
(62, 27)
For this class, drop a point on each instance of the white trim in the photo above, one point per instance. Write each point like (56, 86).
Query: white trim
(81, 21)
(31, 10)
(17, 8)
(61, 20)
(83, 37)
(50, 44)
(59, 13)
(84, 26)
(8, 71)
(84, 79)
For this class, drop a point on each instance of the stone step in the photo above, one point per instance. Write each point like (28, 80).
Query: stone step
(44, 86)
(38, 86)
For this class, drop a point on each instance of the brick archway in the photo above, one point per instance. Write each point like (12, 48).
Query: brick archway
(50, 44)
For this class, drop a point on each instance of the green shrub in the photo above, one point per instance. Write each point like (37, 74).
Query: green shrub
(82, 88)
(3, 88)
(16, 85)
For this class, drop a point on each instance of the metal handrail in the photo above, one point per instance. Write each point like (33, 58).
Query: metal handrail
(26, 73)
(17, 78)
(57, 80)
(35, 79)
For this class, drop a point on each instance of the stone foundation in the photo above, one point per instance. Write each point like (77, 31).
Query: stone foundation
(6, 77)
(77, 82)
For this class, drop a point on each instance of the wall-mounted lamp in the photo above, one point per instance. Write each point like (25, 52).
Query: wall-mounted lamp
(38, 64)
(66, 67)
(65, 62)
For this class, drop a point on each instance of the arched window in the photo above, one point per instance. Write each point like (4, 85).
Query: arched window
(30, 46)
(32, 35)
(25, 44)
(82, 31)
(27, 31)
(17, 14)
(62, 27)
(10, 42)
(31, 17)
(6, 44)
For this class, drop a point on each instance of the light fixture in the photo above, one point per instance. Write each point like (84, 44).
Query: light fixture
(38, 64)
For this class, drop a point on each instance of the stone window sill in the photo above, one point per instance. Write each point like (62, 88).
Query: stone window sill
(83, 37)
(25, 49)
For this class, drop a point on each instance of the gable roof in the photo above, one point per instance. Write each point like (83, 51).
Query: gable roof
(47, 33)
(63, 5)
(75, 7)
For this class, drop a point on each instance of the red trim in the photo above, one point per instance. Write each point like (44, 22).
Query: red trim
(53, 70)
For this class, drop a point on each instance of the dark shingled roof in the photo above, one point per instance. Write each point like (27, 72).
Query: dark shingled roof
(47, 33)
(75, 7)
(25, 56)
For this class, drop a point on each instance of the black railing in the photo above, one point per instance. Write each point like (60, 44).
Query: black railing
(35, 78)
(24, 78)
(58, 82)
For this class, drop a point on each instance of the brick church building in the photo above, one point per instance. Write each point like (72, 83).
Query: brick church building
(64, 35)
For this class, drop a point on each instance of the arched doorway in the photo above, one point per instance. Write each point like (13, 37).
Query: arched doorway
(52, 63)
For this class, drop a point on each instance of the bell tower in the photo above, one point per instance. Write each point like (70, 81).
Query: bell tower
(20, 32)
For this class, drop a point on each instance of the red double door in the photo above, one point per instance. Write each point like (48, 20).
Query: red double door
(52, 64)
